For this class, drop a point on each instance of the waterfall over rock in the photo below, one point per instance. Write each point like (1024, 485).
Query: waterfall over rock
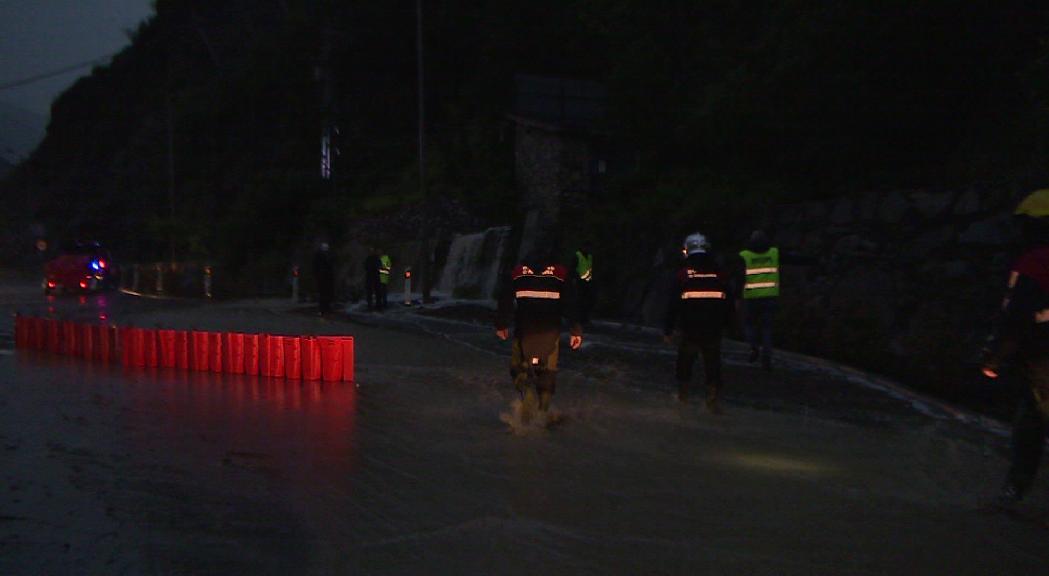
(474, 260)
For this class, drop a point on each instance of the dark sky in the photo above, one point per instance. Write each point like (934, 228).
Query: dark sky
(40, 36)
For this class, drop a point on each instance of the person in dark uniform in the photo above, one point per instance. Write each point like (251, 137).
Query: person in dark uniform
(536, 296)
(1021, 337)
(371, 278)
(699, 310)
(324, 275)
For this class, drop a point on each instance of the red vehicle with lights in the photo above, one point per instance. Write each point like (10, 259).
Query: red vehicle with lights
(82, 267)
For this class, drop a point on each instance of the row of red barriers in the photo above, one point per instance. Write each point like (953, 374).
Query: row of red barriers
(328, 358)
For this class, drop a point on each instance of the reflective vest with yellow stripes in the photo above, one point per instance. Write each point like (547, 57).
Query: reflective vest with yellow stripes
(584, 266)
(384, 269)
(762, 274)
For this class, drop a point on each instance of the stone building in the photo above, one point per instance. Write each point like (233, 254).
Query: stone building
(560, 151)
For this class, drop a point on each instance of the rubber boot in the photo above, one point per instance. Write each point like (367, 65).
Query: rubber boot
(544, 400)
(528, 404)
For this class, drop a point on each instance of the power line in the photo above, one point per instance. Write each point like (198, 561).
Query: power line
(58, 72)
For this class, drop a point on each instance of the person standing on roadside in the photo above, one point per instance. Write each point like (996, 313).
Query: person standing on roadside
(760, 296)
(1021, 338)
(385, 269)
(699, 311)
(371, 278)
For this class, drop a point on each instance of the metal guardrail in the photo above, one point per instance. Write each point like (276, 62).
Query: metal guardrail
(204, 280)
(170, 279)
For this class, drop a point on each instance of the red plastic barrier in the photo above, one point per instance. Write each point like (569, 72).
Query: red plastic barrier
(293, 357)
(233, 349)
(273, 365)
(87, 341)
(331, 357)
(166, 347)
(252, 353)
(70, 338)
(138, 347)
(182, 348)
(328, 358)
(54, 335)
(311, 358)
(107, 343)
(150, 348)
(124, 339)
(215, 350)
(200, 351)
(136, 344)
(264, 354)
(347, 358)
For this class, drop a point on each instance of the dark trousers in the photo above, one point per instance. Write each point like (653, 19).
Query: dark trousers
(382, 296)
(324, 295)
(585, 294)
(758, 314)
(1029, 429)
(537, 359)
(710, 346)
(372, 288)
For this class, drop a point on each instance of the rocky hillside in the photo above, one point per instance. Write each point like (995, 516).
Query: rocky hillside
(903, 282)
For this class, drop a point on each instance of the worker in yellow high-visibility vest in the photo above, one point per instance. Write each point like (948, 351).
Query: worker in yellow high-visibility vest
(372, 268)
(760, 295)
(584, 277)
(385, 269)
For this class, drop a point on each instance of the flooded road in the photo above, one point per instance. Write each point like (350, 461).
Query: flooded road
(411, 471)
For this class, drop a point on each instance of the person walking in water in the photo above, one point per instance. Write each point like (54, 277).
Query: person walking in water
(536, 296)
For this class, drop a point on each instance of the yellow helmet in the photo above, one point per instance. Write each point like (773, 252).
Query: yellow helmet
(1035, 205)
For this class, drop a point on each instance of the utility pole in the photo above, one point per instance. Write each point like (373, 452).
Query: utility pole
(426, 253)
(170, 117)
(324, 76)
(422, 91)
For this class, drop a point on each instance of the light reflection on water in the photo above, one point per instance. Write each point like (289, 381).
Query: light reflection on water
(290, 423)
(779, 464)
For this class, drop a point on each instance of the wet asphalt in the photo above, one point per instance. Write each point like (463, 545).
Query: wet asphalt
(411, 469)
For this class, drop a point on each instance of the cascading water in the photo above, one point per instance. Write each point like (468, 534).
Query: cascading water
(474, 260)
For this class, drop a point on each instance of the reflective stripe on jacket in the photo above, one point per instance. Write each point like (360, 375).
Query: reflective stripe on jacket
(384, 269)
(700, 302)
(584, 266)
(536, 298)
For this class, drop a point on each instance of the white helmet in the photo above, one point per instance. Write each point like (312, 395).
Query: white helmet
(696, 243)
